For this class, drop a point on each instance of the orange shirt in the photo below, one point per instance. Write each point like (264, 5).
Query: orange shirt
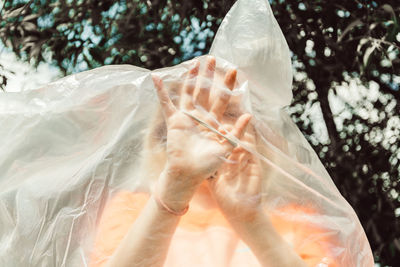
(203, 237)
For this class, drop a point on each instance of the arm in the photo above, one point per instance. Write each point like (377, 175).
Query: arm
(267, 245)
(193, 153)
(152, 231)
(146, 235)
(237, 190)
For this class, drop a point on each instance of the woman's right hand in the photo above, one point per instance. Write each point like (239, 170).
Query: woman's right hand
(193, 151)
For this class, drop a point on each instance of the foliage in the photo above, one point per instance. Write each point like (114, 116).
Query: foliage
(360, 40)
(332, 42)
(88, 34)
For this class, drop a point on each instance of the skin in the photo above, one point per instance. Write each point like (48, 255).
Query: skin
(194, 153)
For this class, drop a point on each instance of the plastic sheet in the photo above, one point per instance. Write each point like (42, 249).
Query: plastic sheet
(81, 157)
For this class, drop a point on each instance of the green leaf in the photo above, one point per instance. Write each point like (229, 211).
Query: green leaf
(14, 13)
(389, 9)
(30, 17)
(353, 24)
(27, 45)
(35, 51)
(29, 26)
(362, 42)
(367, 54)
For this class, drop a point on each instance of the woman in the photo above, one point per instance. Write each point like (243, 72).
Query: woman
(201, 167)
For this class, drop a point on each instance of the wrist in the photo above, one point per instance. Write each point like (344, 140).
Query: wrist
(244, 212)
(251, 223)
(174, 190)
(165, 208)
(256, 231)
(266, 242)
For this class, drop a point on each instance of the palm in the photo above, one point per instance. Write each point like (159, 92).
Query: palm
(237, 185)
(192, 149)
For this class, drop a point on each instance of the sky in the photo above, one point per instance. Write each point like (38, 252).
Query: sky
(26, 77)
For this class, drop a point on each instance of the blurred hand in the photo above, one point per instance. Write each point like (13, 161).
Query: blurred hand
(193, 151)
(236, 187)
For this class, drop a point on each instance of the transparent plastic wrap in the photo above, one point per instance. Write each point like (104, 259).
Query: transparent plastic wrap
(82, 161)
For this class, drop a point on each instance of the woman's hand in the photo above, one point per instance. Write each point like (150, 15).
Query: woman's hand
(237, 188)
(193, 151)
(237, 184)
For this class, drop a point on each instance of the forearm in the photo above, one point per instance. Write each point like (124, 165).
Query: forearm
(266, 243)
(147, 242)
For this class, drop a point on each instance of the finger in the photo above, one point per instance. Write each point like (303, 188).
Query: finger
(219, 106)
(188, 87)
(239, 149)
(240, 125)
(230, 79)
(236, 165)
(167, 106)
(202, 95)
(235, 156)
(255, 177)
(251, 138)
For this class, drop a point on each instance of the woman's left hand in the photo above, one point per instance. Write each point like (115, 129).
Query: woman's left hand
(236, 187)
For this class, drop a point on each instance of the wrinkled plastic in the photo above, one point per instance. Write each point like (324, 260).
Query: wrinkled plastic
(77, 148)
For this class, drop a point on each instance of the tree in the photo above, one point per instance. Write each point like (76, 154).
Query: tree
(359, 40)
(333, 43)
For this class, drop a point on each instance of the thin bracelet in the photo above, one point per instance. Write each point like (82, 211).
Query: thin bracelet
(165, 207)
